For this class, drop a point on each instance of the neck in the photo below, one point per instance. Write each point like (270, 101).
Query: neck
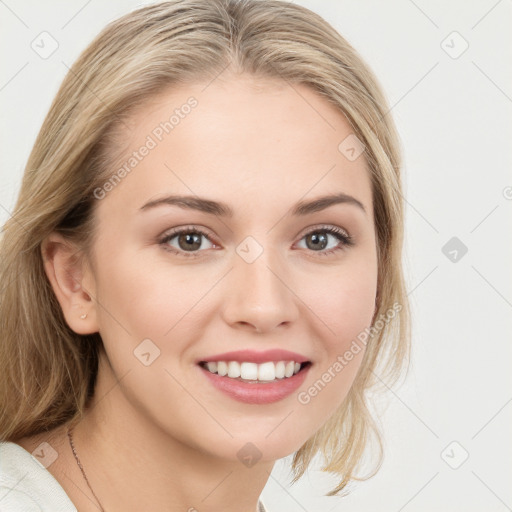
(123, 452)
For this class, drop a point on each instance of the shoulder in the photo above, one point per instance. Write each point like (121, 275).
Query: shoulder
(26, 484)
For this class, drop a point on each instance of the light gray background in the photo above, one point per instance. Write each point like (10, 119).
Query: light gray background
(453, 115)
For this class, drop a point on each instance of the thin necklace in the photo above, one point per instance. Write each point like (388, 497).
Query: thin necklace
(82, 469)
(260, 507)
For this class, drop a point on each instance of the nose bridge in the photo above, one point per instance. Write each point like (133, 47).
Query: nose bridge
(258, 293)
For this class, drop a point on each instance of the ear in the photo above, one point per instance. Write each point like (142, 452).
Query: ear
(72, 284)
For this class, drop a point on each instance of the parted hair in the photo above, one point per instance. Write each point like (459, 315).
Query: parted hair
(48, 371)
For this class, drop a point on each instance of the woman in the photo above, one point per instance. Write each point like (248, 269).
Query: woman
(202, 273)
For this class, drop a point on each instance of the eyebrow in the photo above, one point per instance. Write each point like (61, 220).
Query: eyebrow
(221, 209)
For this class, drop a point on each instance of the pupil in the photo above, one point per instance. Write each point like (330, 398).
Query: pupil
(317, 240)
(191, 241)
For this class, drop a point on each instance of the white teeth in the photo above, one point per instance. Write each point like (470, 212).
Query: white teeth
(234, 369)
(222, 368)
(280, 370)
(264, 372)
(212, 367)
(249, 371)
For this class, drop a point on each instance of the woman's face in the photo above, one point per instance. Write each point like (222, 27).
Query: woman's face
(268, 276)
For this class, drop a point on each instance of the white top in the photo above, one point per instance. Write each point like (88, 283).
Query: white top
(26, 485)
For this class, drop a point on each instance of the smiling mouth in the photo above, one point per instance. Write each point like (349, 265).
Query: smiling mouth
(268, 372)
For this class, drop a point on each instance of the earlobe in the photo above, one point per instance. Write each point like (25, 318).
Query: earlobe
(63, 267)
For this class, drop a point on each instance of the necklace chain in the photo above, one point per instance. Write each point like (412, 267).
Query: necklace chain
(82, 469)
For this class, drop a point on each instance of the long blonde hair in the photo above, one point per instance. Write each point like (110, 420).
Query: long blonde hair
(47, 371)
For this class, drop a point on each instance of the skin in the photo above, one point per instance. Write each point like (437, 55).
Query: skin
(260, 146)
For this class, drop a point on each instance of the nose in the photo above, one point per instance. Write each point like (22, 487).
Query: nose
(259, 295)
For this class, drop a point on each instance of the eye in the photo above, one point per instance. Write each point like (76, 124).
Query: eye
(318, 239)
(188, 240)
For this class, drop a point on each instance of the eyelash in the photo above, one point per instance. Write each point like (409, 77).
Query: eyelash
(345, 239)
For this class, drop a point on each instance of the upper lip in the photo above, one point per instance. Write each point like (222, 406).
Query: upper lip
(256, 357)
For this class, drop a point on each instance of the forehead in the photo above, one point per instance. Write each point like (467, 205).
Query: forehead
(236, 139)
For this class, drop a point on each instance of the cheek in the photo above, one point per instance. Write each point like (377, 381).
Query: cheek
(346, 311)
(344, 302)
(145, 297)
(135, 298)
(339, 305)
(344, 305)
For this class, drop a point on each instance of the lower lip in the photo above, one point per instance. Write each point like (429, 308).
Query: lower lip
(254, 393)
